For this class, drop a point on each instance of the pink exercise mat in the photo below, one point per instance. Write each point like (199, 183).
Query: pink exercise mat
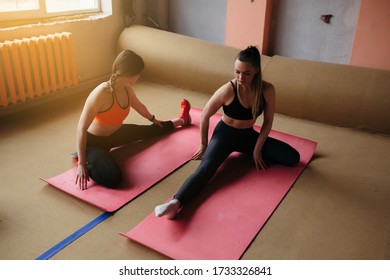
(223, 220)
(143, 164)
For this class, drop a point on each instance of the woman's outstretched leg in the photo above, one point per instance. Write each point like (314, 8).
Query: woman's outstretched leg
(217, 151)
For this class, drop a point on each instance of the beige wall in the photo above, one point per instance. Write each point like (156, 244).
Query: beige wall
(94, 40)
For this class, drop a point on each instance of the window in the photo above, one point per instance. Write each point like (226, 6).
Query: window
(53, 6)
(28, 9)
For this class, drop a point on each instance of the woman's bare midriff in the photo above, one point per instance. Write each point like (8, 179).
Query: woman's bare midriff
(99, 129)
(240, 124)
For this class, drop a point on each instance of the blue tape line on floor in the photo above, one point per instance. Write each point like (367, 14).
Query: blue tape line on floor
(54, 250)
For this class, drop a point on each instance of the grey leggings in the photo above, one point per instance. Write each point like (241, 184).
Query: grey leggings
(101, 166)
(226, 140)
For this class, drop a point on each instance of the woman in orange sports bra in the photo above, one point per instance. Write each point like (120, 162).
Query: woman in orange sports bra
(101, 127)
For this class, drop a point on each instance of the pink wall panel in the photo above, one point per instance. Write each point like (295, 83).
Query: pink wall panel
(246, 23)
(372, 38)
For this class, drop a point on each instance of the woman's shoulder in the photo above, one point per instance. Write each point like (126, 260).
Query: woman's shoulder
(227, 89)
(268, 88)
(267, 85)
(104, 87)
(102, 91)
(269, 91)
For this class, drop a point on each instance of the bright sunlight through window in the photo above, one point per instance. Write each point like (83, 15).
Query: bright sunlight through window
(25, 9)
(70, 5)
(18, 5)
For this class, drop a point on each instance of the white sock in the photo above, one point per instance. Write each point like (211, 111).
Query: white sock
(168, 209)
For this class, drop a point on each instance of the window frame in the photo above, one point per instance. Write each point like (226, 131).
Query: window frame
(41, 12)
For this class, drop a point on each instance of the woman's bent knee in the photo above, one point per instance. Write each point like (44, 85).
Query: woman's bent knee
(102, 168)
(293, 158)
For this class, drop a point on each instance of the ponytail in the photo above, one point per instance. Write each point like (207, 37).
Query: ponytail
(252, 55)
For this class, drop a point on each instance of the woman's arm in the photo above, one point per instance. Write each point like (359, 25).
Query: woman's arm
(213, 105)
(92, 106)
(140, 108)
(269, 111)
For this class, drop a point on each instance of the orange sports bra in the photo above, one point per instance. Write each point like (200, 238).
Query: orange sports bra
(115, 115)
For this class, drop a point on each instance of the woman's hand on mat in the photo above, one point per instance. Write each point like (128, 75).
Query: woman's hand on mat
(82, 177)
(199, 153)
(259, 162)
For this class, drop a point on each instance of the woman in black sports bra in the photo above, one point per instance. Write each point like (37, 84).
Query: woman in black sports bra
(243, 100)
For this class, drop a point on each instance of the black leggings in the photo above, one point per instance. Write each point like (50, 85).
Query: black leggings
(226, 140)
(101, 166)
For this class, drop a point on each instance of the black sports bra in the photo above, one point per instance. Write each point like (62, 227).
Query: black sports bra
(235, 110)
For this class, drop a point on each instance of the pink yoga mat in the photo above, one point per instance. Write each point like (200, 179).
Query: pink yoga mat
(223, 220)
(143, 164)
